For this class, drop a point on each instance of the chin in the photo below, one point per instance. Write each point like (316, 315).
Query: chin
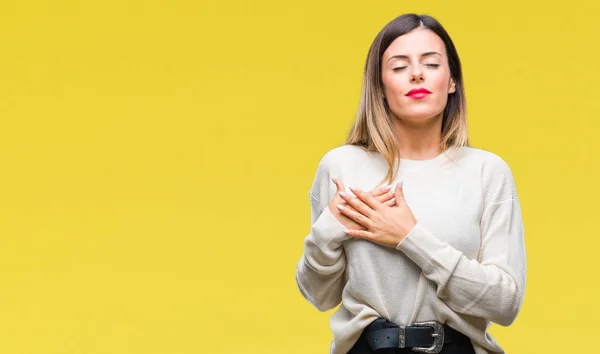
(420, 116)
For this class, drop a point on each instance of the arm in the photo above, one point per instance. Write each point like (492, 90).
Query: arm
(320, 271)
(492, 286)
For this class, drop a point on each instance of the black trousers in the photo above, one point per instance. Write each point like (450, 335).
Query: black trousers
(462, 345)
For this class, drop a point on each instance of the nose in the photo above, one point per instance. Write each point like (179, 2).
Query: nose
(416, 75)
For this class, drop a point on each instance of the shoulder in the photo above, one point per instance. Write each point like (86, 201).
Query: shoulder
(330, 165)
(486, 164)
(340, 155)
(483, 158)
(497, 181)
(344, 152)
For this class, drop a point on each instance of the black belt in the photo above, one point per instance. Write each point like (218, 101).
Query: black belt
(421, 337)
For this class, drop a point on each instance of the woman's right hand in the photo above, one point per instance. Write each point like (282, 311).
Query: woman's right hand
(384, 195)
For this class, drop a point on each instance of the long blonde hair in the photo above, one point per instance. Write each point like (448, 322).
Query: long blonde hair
(373, 129)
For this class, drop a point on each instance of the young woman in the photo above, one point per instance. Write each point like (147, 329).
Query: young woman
(426, 264)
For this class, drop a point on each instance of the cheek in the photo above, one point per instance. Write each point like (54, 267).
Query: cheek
(442, 81)
(441, 84)
(393, 88)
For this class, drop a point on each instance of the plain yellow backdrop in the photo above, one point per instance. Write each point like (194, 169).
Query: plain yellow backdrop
(156, 158)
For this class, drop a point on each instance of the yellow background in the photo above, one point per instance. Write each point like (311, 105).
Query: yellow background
(156, 158)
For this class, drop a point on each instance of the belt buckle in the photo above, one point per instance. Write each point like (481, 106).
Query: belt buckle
(438, 337)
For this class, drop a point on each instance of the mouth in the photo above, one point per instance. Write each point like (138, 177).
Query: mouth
(418, 93)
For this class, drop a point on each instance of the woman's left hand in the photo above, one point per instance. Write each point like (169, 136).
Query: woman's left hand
(384, 225)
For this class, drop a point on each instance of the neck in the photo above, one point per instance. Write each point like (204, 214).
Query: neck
(418, 141)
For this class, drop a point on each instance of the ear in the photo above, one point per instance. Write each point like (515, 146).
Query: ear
(452, 88)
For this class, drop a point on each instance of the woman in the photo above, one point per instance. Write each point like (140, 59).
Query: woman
(426, 264)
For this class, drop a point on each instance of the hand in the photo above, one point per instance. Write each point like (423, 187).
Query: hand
(383, 195)
(384, 225)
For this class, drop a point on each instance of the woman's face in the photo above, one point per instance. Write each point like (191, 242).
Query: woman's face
(416, 60)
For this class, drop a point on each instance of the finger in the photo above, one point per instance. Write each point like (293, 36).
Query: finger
(387, 196)
(368, 200)
(348, 206)
(380, 191)
(356, 212)
(399, 193)
(354, 215)
(390, 202)
(364, 234)
(357, 204)
(338, 184)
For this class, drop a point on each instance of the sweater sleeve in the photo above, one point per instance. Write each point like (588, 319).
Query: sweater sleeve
(320, 271)
(493, 285)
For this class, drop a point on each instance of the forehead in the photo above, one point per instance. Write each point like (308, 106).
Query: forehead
(414, 43)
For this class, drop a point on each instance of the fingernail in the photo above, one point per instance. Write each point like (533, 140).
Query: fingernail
(343, 194)
(351, 187)
(339, 206)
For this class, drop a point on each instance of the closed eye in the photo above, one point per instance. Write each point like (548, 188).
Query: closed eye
(404, 67)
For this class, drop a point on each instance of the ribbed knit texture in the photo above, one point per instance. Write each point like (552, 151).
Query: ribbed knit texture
(462, 264)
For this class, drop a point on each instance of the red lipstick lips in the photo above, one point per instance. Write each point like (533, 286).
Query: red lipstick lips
(418, 93)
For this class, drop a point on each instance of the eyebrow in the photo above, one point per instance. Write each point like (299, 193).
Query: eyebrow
(402, 56)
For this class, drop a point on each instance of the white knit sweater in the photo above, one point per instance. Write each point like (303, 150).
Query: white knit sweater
(463, 264)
